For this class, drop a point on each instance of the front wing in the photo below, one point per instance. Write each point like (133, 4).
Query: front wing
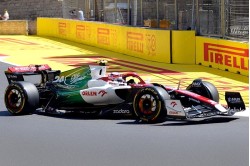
(175, 109)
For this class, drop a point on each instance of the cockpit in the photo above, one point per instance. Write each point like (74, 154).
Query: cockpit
(99, 77)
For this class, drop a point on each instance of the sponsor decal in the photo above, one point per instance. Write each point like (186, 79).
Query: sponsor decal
(121, 111)
(21, 69)
(59, 79)
(62, 28)
(75, 78)
(103, 36)
(151, 44)
(174, 107)
(11, 76)
(234, 100)
(83, 32)
(135, 42)
(89, 93)
(173, 104)
(94, 93)
(209, 114)
(226, 55)
(151, 90)
(173, 113)
(196, 84)
(102, 92)
(72, 78)
(80, 32)
(27, 68)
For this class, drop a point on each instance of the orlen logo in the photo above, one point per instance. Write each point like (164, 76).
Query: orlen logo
(102, 92)
(173, 104)
(135, 42)
(226, 55)
(89, 93)
(94, 93)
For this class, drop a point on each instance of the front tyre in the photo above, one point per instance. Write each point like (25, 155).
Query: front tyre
(148, 105)
(205, 89)
(21, 98)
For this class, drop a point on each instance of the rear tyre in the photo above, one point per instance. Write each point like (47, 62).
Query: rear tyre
(21, 98)
(148, 105)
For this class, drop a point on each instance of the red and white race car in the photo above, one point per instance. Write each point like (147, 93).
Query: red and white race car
(88, 89)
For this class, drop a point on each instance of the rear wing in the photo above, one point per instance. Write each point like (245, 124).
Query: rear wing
(17, 73)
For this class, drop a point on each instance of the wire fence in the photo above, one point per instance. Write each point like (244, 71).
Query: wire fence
(209, 18)
(217, 18)
(237, 19)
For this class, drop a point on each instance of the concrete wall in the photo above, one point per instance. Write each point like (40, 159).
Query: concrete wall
(27, 9)
(30, 9)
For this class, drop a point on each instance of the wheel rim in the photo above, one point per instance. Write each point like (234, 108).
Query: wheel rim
(14, 99)
(147, 104)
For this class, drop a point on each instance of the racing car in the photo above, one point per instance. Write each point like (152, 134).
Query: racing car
(89, 89)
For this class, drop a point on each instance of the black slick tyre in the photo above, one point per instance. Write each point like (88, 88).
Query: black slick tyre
(21, 98)
(212, 91)
(207, 90)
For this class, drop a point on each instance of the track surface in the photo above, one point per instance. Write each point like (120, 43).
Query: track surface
(69, 140)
